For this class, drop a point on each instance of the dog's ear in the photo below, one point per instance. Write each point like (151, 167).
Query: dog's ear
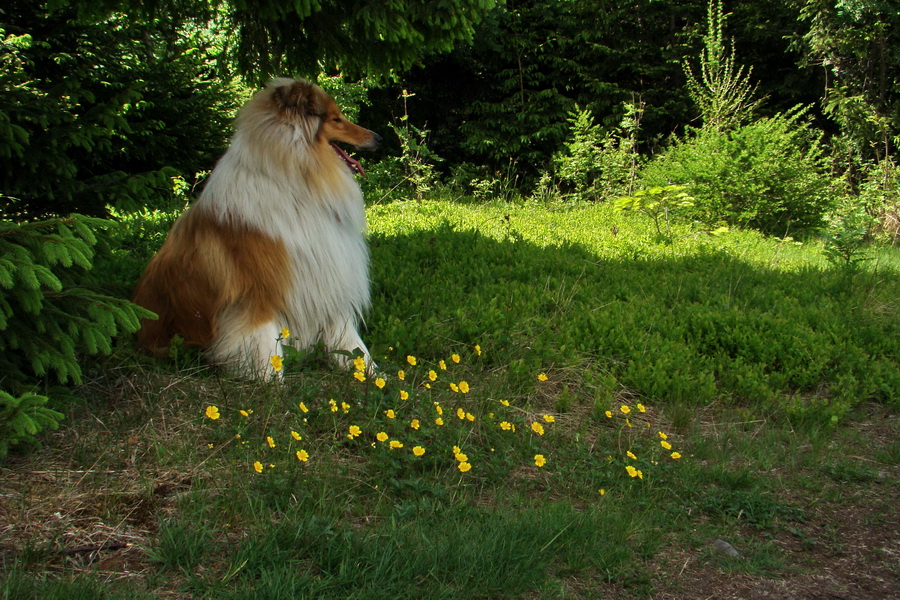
(299, 99)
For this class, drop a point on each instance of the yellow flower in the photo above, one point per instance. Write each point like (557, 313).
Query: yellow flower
(631, 455)
(439, 421)
(461, 414)
(432, 375)
(381, 436)
(454, 387)
(244, 413)
(631, 471)
(470, 416)
(270, 441)
(355, 431)
(345, 407)
(505, 425)
(602, 492)
(333, 405)
(210, 446)
(418, 450)
(303, 408)
(504, 402)
(665, 444)
(456, 449)
(477, 349)
(212, 412)
(285, 333)
(542, 377)
(537, 428)
(628, 422)
(404, 395)
(549, 418)
(464, 467)
(390, 413)
(641, 408)
(395, 444)
(464, 387)
(258, 467)
(379, 383)
(359, 376)
(676, 455)
(401, 375)
(640, 474)
(438, 408)
(609, 414)
(277, 362)
(461, 457)
(302, 455)
(442, 365)
(455, 358)
(663, 436)
(359, 363)
(539, 460)
(625, 409)
(296, 436)
(414, 424)
(411, 360)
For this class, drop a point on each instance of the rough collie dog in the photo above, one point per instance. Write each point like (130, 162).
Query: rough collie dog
(275, 242)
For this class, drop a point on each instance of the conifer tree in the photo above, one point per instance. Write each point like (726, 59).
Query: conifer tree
(48, 317)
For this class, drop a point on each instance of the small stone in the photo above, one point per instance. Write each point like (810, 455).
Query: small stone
(726, 548)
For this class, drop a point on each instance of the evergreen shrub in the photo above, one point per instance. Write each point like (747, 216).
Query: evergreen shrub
(767, 175)
(48, 317)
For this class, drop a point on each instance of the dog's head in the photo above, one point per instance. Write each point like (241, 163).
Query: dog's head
(303, 107)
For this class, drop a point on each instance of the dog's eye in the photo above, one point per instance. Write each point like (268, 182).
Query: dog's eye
(336, 119)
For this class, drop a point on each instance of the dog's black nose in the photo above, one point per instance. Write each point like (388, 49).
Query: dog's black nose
(377, 139)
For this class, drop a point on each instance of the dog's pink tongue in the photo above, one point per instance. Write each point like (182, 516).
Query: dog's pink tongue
(351, 162)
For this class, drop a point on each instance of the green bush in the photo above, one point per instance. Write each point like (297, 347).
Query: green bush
(48, 317)
(767, 175)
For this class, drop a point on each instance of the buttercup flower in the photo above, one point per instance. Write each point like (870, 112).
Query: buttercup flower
(396, 444)
(641, 408)
(244, 413)
(345, 407)
(390, 413)
(411, 360)
(296, 436)
(470, 416)
(455, 358)
(401, 375)
(258, 467)
(676, 455)
(212, 412)
(504, 402)
(631, 471)
(438, 408)
(549, 418)
(663, 436)
(381, 436)
(439, 421)
(404, 395)
(285, 333)
(302, 455)
(464, 387)
(537, 428)
(359, 376)
(602, 492)
(379, 383)
(442, 365)
(414, 424)
(625, 409)
(270, 441)
(277, 362)
(665, 444)
(454, 387)
(432, 375)
(456, 449)
(359, 363)
(464, 467)
(459, 456)
(418, 450)
(542, 377)
(505, 425)
(461, 414)
(355, 431)
(539, 460)
(631, 455)
(609, 414)
(303, 408)
(477, 349)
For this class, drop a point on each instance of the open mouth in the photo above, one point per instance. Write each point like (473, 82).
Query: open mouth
(354, 165)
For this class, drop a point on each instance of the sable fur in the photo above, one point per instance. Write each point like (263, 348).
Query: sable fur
(276, 240)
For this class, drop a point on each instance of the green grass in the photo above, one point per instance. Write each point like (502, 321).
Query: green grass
(773, 375)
